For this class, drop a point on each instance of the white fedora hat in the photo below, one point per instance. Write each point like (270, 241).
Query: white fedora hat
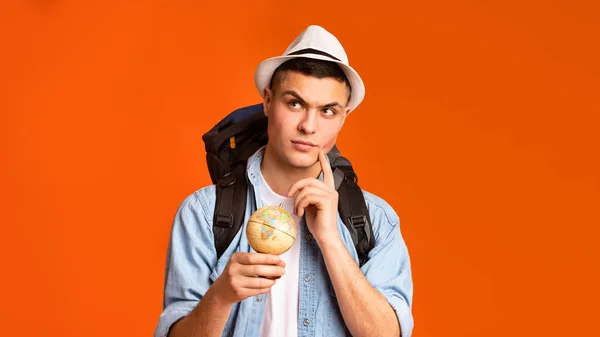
(315, 43)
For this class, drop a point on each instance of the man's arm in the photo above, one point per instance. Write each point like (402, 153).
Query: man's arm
(366, 312)
(193, 304)
(246, 275)
(207, 319)
(378, 302)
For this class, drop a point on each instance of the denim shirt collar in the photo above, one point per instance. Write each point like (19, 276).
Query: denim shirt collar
(253, 166)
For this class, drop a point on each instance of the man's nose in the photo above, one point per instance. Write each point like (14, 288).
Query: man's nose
(308, 124)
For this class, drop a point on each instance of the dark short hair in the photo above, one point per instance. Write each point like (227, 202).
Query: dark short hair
(310, 67)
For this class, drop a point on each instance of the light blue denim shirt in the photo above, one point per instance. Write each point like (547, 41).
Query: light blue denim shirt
(192, 266)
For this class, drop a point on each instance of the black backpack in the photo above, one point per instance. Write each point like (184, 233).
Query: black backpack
(238, 136)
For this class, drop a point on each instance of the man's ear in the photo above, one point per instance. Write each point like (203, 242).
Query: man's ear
(268, 93)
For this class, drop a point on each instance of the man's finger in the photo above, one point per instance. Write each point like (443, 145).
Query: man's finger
(307, 201)
(327, 173)
(257, 258)
(311, 190)
(258, 282)
(303, 183)
(261, 270)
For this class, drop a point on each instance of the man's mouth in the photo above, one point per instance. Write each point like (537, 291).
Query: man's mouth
(303, 146)
(303, 143)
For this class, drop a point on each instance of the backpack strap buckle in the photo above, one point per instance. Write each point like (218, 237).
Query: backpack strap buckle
(227, 180)
(357, 221)
(230, 205)
(224, 220)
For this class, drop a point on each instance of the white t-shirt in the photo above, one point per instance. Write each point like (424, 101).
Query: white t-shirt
(280, 317)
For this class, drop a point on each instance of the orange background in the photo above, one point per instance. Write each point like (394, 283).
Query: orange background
(479, 126)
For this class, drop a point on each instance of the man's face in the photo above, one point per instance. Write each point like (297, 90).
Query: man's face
(305, 115)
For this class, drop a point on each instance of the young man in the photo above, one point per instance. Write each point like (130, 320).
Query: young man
(316, 288)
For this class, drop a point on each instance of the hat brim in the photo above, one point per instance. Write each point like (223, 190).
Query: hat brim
(265, 70)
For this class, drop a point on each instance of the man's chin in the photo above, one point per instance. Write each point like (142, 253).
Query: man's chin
(302, 160)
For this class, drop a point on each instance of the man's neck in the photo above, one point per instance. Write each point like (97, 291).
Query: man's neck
(280, 178)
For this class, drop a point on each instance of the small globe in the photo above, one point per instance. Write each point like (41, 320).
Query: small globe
(271, 230)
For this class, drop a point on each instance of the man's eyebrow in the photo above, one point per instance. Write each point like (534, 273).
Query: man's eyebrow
(331, 105)
(295, 94)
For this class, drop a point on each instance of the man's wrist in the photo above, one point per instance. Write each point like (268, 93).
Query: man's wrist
(218, 302)
(330, 242)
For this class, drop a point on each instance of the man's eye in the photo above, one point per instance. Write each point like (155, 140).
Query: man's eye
(329, 112)
(295, 104)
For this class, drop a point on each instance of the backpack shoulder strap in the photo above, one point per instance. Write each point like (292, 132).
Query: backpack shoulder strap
(230, 206)
(353, 211)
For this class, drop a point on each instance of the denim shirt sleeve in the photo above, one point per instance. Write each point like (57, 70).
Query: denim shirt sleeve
(191, 257)
(388, 267)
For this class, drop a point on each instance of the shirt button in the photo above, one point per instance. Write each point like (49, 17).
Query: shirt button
(308, 237)
(306, 322)
(307, 278)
